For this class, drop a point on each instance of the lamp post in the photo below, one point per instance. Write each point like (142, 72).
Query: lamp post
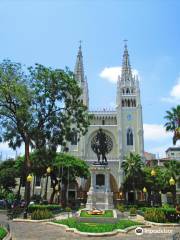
(153, 175)
(144, 191)
(172, 183)
(48, 171)
(28, 193)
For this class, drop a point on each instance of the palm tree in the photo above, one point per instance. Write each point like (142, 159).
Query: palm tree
(132, 167)
(173, 123)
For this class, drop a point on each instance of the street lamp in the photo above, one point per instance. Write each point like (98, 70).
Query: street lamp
(48, 171)
(153, 174)
(172, 183)
(144, 191)
(28, 193)
(29, 178)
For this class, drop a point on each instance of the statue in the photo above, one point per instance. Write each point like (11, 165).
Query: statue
(100, 147)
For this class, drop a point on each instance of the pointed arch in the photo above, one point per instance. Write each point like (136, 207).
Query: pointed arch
(129, 137)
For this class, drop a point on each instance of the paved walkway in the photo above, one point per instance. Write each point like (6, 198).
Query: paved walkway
(38, 231)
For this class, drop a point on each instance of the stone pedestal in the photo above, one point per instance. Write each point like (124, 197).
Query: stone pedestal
(99, 195)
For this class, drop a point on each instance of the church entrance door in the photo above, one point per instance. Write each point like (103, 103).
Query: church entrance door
(131, 197)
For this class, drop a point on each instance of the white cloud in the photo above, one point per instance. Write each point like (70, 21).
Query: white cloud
(111, 73)
(155, 132)
(174, 95)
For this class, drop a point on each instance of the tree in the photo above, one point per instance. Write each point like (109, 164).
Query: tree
(67, 168)
(41, 109)
(173, 123)
(7, 175)
(132, 167)
(15, 102)
(58, 111)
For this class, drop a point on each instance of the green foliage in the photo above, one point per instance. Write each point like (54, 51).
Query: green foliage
(120, 207)
(133, 211)
(75, 166)
(3, 233)
(7, 175)
(155, 215)
(50, 207)
(173, 119)
(132, 167)
(68, 209)
(41, 214)
(170, 214)
(107, 213)
(97, 227)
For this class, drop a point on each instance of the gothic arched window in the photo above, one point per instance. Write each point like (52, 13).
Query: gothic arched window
(74, 139)
(129, 137)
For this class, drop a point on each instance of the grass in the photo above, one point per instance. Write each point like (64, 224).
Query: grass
(2, 233)
(97, 227)
(107, 213)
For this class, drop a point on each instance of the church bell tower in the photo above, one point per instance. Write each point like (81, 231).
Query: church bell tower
(129, 111)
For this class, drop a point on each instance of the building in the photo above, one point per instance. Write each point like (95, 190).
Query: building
(173, 153)
(122, 126)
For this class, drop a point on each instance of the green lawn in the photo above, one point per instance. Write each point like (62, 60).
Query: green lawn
(107, 213)
(97, 227)
(2, 233)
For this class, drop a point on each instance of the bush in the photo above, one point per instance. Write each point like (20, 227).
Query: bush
(67, 209)
(155, 215)
(41, 214)
(51, 207)
(120, 207)
(133, 211)
(3, 233)
(171, 214)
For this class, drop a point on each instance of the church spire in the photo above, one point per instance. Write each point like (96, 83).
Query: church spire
(126, 73)
(79, 69)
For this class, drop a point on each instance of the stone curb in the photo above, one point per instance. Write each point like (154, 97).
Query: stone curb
(33, 221)
(114, 232)
(8, 236)
(162, 224)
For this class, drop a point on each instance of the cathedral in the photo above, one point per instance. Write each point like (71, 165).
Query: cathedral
(123, 126)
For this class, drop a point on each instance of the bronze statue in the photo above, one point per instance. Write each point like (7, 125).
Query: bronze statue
(100, 147)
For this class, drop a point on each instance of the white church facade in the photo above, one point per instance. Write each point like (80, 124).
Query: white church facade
(122, 126)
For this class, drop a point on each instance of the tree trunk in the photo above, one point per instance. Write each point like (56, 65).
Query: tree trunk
(52, 196)
(63, 198)
(19, 189)
(174, 195)
(27, 167)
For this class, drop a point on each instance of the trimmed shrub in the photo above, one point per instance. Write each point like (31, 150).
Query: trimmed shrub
(41, 214)
(133, 211)
(155, 215)
(51, 207)
(121, 208)
(67, 209)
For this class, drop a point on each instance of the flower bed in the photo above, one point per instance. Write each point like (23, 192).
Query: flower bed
(107, 213)
(3, 233)
(97, 227)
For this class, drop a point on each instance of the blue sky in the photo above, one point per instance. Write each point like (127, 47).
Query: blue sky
(48, 32)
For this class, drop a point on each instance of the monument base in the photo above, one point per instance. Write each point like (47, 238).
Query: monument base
(99, 195)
